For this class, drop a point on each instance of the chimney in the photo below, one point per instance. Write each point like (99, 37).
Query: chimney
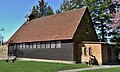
(29, 17)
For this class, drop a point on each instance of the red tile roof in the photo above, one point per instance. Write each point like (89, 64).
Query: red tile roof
(55, 27)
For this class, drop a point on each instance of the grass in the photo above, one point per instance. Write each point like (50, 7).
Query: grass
(116, 69)
(31, 66)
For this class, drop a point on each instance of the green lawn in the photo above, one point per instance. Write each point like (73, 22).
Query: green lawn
(116, 69)
(31, 66)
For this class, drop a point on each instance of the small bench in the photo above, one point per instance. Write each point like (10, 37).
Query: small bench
(11, 58)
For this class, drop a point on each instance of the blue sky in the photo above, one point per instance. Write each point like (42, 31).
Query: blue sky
(12, 13)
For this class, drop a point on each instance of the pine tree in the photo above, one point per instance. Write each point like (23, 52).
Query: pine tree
(65, 6)
(35, 11)
(49, 11)
(101, 12)
(42, 9)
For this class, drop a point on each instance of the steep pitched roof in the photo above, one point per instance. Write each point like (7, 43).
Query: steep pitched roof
(55, 27)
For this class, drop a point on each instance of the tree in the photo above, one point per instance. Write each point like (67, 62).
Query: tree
(35, 11)
(42, 9)
(116, 16)
(100, 12)
(65, 6)
(49, 11)
(116, 24)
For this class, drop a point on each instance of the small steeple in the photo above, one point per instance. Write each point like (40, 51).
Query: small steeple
(29, 17)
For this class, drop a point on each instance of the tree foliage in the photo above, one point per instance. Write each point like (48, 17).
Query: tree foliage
(42, 9)
(100, 11)
(116, 16)
(116, 24)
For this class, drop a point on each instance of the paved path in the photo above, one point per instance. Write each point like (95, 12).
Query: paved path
(91, 68)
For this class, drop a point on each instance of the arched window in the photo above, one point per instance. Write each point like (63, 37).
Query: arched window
(90, 51)
(85, 51)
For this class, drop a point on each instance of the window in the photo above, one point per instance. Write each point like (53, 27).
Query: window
(31, 46)
(38, 45)
(90, 51)
(47, 44)
(109, 51)
(43, 45)
(11, 46)
(58, 44)
(14, 46)
(27, 45)
(85, 51)
(18, 45)
(34, 45)
(86, 32)
(52, 44)
(23, 45)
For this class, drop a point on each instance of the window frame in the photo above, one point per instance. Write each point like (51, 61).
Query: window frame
(42, 44)
(34, 45)
(52, 44)
(58, 44)
(31, 45)
(18, 46)
(90, 51)
(47, 44)
(14, 46)
(27, 45)
(24, 45)
(38, 45)
(21, 45)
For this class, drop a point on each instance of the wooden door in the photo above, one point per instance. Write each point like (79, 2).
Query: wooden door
(109, 54)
